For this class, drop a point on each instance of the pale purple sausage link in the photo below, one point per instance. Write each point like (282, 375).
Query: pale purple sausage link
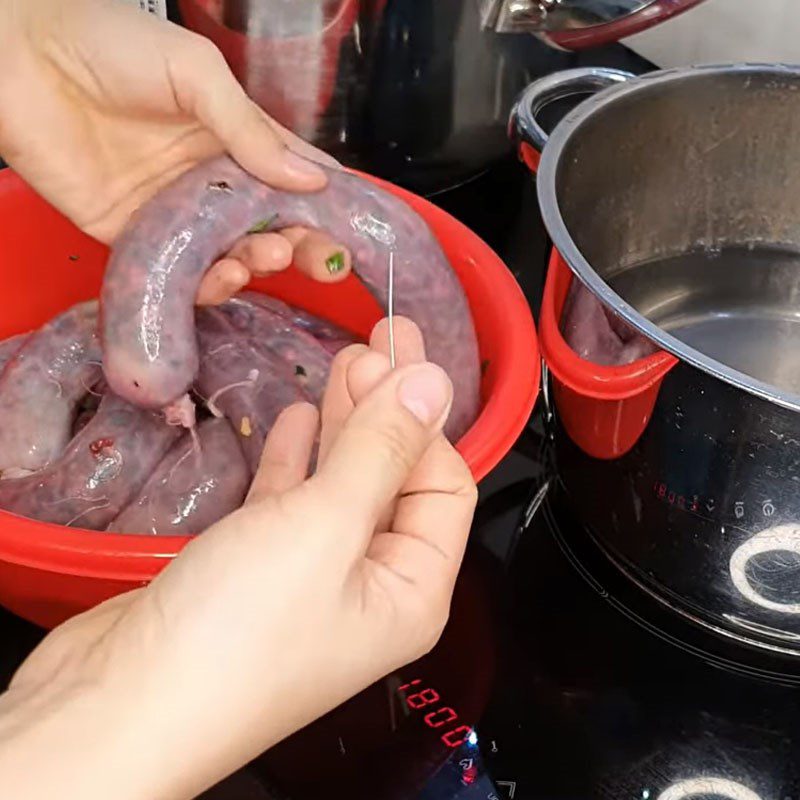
(10, 347)
(103, 467)
(596, 335)
(303, 354)
(247, 383)
(85, 416)
(88, 405)
(158, 261)
(42, 385)
(195, 485)
(329, 335)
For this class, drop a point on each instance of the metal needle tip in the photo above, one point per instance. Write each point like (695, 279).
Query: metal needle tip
(390, 304)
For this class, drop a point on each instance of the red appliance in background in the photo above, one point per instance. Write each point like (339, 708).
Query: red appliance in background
(415, 91)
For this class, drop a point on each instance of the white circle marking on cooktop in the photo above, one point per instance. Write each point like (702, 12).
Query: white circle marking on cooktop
(780, 538)
(719, 787)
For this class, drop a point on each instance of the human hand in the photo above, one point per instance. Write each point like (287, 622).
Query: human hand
(103, 105)
(312, 591)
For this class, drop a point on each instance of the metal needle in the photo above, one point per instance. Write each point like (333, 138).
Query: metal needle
(390, 304)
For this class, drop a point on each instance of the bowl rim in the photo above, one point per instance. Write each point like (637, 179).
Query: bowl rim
(139, 557)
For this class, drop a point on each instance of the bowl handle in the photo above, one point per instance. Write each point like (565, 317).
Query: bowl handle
(523, 127)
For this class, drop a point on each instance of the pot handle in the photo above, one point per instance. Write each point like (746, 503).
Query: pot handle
(523, 127)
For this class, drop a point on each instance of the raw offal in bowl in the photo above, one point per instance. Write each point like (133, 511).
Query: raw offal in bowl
(199, 481)
(41, 385)
(119, 467)
(91, 436)
(98, 473)
(243, 380)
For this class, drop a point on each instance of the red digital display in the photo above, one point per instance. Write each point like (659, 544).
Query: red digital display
(663, 492)
(438, 716)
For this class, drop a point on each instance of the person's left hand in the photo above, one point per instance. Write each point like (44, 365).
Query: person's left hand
(102, 105)
(311, 592)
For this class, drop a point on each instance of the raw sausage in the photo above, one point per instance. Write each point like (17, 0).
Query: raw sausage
(103, 467)
(10, 347)
(246, 382)
(42, 385)
(596, 335)
(195, 485)
(151, 355)
(330, 336)
(88, 406)
(303, 354)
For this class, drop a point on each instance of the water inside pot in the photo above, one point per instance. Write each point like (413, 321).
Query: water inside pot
(738, 305)
(680, 191)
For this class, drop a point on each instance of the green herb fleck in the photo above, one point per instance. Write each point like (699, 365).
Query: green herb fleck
(300, 371)
(73, 257)
(264, 224)
(335, 263)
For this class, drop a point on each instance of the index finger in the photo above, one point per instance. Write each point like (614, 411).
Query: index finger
(346, 387)
(337, 405)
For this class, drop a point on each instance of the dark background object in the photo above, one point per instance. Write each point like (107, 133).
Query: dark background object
(422, 93)
(419, 92)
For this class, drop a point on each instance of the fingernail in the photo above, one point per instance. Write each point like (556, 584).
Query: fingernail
(301, 167)
(425, 393)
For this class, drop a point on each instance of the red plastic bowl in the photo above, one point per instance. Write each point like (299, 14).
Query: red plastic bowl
(48, 572)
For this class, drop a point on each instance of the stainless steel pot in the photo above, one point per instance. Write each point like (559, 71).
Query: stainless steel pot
(414, 90)
(675, 199)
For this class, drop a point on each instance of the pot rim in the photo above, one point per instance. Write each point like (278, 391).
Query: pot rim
(546, 174)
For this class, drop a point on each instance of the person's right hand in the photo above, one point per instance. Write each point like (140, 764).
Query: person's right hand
(101, 105)
(311, 592)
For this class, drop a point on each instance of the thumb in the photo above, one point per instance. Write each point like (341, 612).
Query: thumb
(384, 439)
(206, 88)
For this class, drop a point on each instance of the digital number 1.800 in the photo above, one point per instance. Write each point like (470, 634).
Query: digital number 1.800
(443, 716)
(684, 502)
